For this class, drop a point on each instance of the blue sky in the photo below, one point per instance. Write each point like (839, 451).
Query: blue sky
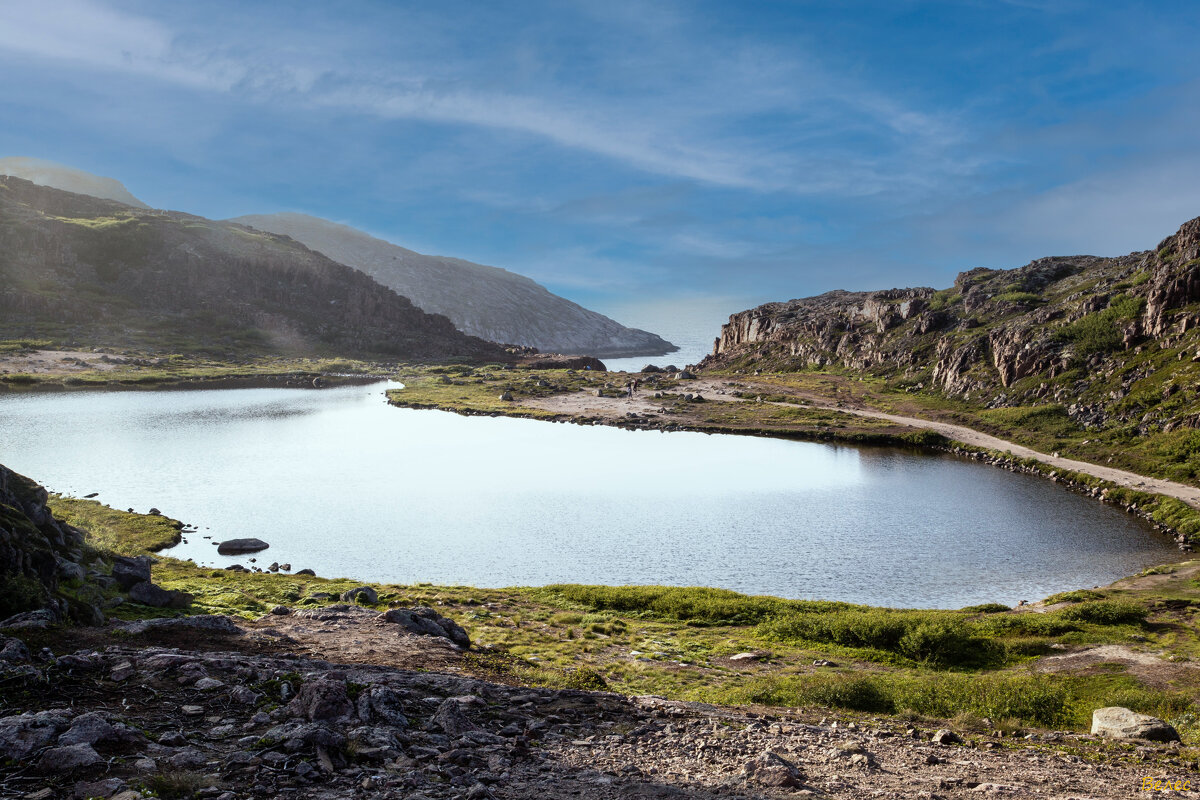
(639, 157)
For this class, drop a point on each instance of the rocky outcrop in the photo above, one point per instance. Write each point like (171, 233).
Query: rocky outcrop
(487, 302)
(37, 552)
(78, 268)
(1072, 330)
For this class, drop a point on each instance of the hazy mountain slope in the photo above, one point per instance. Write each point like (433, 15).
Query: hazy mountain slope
(1076, 348)
(488, 302)
(69, 179)
(96, 272)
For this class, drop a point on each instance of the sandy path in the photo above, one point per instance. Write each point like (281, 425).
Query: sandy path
(614, 407)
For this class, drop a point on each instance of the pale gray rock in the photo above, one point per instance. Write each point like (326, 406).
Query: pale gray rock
(1116, 722)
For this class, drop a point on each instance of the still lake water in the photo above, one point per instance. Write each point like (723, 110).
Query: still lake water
(340, 482)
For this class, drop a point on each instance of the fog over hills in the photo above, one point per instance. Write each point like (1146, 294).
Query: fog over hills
(94, 272)
(69, 179)
(487, 302)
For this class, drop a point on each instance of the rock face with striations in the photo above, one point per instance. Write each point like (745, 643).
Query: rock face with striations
(107, 273)
(487, 302)
(1076, 331)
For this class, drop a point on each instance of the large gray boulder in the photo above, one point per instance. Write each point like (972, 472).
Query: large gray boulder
(1116, 722)
(233, 547)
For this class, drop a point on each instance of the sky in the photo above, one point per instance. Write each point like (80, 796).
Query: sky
(653, 160)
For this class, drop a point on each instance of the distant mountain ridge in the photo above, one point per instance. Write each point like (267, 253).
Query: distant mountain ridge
(487, 302)
(79, 268)
(69, 179)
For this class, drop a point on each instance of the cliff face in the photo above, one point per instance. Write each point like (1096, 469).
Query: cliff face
(487, 302)
(99, 272)
(36, 550)
(1081, 330)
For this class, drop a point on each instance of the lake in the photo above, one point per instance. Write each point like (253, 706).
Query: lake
(340, 482)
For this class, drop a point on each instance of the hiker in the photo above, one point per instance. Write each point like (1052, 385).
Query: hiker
(629, 390)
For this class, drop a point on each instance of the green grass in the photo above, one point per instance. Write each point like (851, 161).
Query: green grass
(118, 531)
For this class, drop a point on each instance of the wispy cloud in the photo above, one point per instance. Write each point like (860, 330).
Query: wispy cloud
(680, 130)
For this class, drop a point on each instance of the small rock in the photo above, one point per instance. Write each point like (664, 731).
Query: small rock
(192, 711)
(322, 699)
(944, 736)
(148, 594)
(208, 684)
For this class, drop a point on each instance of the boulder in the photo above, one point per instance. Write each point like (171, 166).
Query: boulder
(427, 622)
(68, 759)
(771, 769)
(233, 547)
(13, 651)
(30, 620)
(23, 735)
(361, 594)
(129, 572)
(381, 704)
(1116, 722)
(148, 594)
(321, 700)
(94, 728)
(450, 718)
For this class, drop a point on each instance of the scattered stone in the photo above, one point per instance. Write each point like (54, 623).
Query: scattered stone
(748, 657)
(103, 788)
(451, 719)
(234, 547)
(281, 611)
(1121, 723)
(192, 711)
(305, 572)
(208, 684)
(947, 737)
(427, 622)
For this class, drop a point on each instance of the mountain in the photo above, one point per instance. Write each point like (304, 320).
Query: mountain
(100, 272)
(487, 302)
(69, 179)
(1099, 344)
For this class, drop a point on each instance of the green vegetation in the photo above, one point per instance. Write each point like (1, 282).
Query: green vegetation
(675, 641)
(1098, 332)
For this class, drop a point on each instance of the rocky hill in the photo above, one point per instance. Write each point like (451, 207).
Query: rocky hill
(69, 179)
(87, 271)
(1112, 343)
(487, 302)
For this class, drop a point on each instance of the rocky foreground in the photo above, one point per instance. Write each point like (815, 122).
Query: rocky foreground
(209, 707)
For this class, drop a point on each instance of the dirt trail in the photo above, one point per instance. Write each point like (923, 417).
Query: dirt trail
(714, 391)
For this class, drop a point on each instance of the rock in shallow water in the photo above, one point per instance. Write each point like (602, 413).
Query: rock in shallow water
(233, 547)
